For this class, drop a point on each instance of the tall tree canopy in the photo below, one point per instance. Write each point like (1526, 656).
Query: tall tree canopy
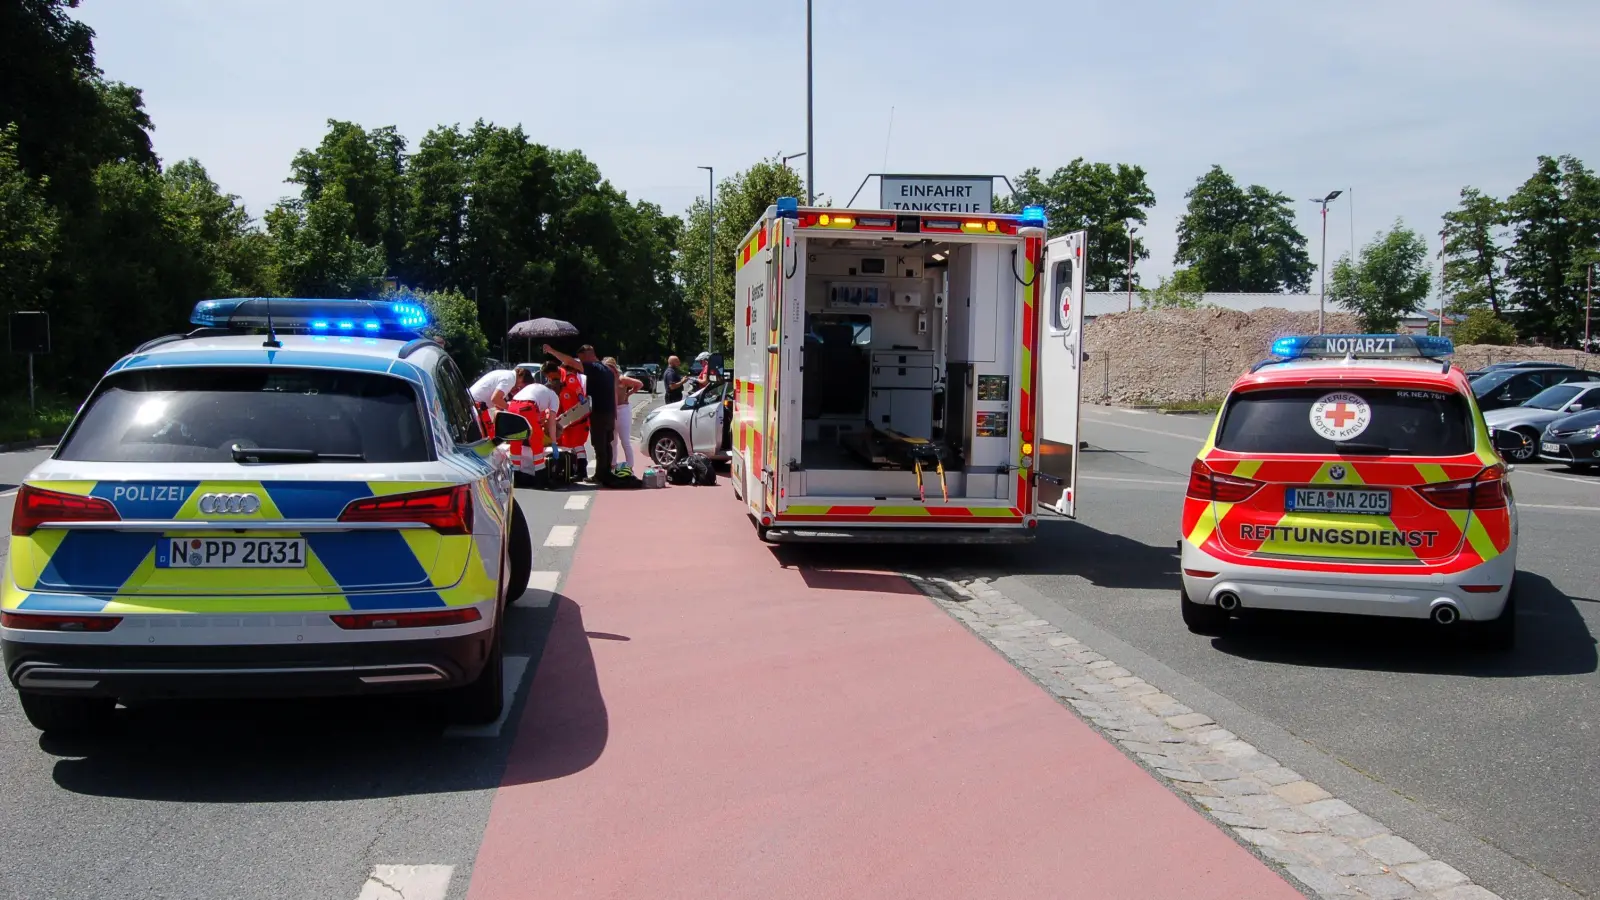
(1473, 276)
(1242, 239)
(1389, 280)
(1555, 221)
(1100, 198)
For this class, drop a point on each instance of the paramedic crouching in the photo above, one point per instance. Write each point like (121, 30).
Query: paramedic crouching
(602, 390)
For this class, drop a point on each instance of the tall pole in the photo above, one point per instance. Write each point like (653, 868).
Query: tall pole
(711, 247)
(811, 165)
(1129, 277)
(1322, 291)
(1588, 310)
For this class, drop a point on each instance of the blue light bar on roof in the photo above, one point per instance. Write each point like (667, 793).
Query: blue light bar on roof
(1033, 215)
(1362, 346)
(788, 207)
(293, 314)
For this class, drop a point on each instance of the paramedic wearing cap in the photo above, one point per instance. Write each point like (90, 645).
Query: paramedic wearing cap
(601, 387)
(490, 392)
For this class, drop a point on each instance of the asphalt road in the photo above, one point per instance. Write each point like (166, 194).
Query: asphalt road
(1490, 763)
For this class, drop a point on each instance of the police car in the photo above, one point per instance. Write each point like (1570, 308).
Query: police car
(1352, 474)
(246, 514)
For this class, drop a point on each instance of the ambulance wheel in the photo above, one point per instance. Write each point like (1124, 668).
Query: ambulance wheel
(1499, 635)
(68, 715)
(481, 701)
(1202, 618)
(519, 555)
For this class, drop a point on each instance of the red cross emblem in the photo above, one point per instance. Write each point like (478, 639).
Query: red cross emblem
(1339, 415)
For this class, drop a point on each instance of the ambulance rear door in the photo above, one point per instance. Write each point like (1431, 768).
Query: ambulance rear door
(1061, 361)
(785, 334)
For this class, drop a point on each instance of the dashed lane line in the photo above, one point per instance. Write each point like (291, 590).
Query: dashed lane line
(515, 668)
(577, 501)
(1559, 508)
(407, 883)
(1589, 481)
(1170, 434)
(541, 589)
(1159, 481)
(562, 536)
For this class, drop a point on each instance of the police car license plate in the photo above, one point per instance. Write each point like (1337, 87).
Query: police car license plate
(1341, 500)
(232, 553)
(1550, 448)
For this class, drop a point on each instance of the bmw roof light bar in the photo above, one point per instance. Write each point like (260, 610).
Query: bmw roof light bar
(1362, 346)
(336, 317)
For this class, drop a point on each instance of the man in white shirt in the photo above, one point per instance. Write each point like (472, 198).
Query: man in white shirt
(494, 388)
(545, 400)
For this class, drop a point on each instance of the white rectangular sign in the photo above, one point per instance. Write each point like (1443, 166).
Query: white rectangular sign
(938, 193)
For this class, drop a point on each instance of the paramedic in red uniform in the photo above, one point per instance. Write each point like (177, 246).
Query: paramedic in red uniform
(569, 390)
(602, 391)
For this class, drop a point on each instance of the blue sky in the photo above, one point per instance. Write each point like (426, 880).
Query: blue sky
(1405, 101)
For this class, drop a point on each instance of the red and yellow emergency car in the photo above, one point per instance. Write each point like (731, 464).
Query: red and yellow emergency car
(1352, 474)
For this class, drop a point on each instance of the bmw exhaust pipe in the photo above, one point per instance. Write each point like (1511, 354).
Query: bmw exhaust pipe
(1445, 614)
(1228, 601)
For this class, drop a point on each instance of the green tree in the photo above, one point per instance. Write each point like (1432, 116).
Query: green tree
(1242, 239)
(28, 231)
(1182, 290)
(1482, 326)
(314, 251)
(1473, 257)
(1097, 197)
(369, 168)
(741, 199)
(217, 231)
(1555, 220)
(452, 318)
(1389, 281)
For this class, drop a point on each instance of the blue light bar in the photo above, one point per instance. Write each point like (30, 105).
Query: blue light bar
(1033, 215)
(1362, 346)
(788, 208)
(374, 318)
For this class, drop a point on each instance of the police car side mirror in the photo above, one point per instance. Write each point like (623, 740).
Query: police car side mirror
(511, 427)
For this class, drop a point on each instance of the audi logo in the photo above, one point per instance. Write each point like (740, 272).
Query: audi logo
(229, 504)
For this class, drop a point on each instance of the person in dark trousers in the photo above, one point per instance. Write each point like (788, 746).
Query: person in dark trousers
(601, 386)
(672, 379)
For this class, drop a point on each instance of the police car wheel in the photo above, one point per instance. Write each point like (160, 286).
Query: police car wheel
(1201, 618)
(68, 715)
(520, 556)
(481, 701)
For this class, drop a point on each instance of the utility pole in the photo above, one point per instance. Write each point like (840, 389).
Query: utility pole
(711, 247)
(1131, 230)
(1588, 309)
(1322, 271)
(811, 166)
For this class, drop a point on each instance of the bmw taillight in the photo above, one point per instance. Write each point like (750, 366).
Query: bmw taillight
(445, 510)
(1486, 491)
(35, 506)
(1205, 484)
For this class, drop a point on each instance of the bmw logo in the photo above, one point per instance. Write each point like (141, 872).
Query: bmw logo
(1336, 473)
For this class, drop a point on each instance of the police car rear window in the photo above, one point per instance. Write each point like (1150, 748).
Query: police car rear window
(199, 414)
(1322, 420)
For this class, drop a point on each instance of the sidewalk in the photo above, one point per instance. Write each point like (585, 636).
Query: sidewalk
(706, 723)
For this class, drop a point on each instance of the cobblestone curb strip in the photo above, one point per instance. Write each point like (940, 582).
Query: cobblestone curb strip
(1322, 842)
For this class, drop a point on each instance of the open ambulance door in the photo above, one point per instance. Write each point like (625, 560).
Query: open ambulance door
(1061, 361)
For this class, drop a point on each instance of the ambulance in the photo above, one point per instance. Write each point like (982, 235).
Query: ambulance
(905, 376)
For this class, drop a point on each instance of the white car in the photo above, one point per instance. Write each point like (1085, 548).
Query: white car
(667, 430)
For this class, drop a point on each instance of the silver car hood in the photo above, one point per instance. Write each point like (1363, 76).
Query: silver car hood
(1518, 416)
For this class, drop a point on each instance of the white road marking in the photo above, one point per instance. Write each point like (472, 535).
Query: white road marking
(1133, 480)
(1170, 434)
(541, 589)
(8, 493)
(407, 883)
(1589, 481)
(1558, 507)
(514, 668)
(578, 501)
(562, 536)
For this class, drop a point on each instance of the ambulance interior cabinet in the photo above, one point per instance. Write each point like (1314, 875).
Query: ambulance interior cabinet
(901, 397)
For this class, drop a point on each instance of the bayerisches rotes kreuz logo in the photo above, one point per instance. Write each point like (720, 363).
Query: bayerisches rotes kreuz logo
(1340, 416)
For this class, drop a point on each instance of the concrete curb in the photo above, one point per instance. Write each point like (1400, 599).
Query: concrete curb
(33, 444)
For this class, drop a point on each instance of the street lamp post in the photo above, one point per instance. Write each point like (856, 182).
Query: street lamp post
(1322, 271)
(792, 156)
(810, 167)
(1588, 309)
(1131, 230)
(711, 247)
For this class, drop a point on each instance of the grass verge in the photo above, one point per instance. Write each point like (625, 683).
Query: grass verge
(47, 420)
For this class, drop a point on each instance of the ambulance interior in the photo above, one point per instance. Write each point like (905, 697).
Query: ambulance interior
(907, 365)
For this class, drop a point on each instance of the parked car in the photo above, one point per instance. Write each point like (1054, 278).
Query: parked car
(1528, 421)
(1523, 364)
(643, 374)
(1574, 440)
(667, 429)
(1515, 385)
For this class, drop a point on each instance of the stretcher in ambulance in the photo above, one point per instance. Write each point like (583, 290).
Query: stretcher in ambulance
(906, 377)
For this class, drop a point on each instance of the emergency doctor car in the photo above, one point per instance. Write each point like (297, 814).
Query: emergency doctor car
(244, 514)
(1352, 474)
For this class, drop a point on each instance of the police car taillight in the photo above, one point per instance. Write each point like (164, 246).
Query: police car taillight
(35, 506)
(429, 619)
(43, 622)
(1487, 491)
(1205, 484)
(445, 510)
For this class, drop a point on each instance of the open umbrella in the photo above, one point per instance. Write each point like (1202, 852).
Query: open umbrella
(543, 329)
